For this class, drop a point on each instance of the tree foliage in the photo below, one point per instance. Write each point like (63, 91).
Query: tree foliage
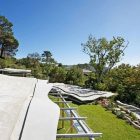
(47, 57)
(75, 76)
(125, 80)
(57, 74)
(8, 43)
(104, 54)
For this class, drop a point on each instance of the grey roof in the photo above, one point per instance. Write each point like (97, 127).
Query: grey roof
(11, 70)
(26, 100)
(82, 95)
(86, 71)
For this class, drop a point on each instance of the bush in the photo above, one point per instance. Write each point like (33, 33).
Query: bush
(120, 115)
(134, 118)
(114, 111)
(2, 63)
(101, 86)
(125, 80)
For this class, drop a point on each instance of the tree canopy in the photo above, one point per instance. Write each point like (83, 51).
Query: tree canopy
(8, 43)
(104, 54)
(125, 80)
(47, 57)
(75, 76)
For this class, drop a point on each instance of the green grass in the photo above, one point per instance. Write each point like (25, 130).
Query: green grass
(100, 120)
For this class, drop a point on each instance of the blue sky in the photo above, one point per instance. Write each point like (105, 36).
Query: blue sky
(62, 25)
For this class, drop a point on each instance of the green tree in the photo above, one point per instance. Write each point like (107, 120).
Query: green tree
(104, 54)
(90, 81)
(8, 63)
(8, 43)
(47, 57)
(57, 74)
(46, 69)
(125, 80)
(33, 62)
(116, 77)
(34, 58)
(75, 76)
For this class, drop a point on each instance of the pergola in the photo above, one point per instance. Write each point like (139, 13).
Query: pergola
(77, 122)
(78, 94)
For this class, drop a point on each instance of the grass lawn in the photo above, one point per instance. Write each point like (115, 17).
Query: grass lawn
(100, 120)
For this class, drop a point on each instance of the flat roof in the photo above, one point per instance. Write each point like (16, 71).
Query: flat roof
(11, 70)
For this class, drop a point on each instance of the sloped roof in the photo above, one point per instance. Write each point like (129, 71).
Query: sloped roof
(83, 95)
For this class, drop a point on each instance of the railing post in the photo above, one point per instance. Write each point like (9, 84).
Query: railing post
(60, 111)
(71, 122)
(63, 115)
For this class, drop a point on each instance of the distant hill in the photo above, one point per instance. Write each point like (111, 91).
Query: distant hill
(82, 66)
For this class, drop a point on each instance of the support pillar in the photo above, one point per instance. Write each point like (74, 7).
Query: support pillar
(63, 115)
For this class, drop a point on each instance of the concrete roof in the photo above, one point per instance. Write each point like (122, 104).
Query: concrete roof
(14, 91)
(10, 70)
(26, 112)
(86, 71)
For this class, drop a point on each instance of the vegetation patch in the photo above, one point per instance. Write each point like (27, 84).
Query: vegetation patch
(100, 120)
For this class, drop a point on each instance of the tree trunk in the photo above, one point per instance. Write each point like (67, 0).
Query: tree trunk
(2, 51)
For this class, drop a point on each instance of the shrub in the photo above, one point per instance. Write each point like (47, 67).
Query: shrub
(120, 115)
(101, 86)
(134, 118)
(114, 111)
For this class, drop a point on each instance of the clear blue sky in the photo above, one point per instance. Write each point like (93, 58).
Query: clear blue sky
(62, 25)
